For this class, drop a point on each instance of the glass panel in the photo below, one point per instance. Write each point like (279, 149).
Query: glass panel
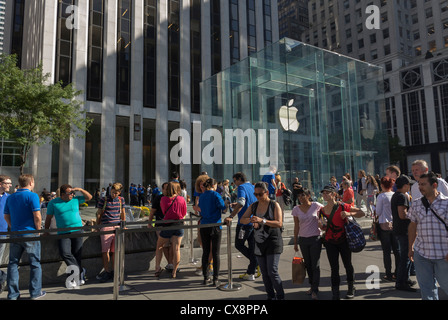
(296, 107)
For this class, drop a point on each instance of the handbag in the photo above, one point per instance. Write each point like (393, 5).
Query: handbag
(298, 270)
(355, 235)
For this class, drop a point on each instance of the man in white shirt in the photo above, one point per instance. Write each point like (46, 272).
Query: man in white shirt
(420, 167)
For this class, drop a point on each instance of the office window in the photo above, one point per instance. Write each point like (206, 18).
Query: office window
(195, 47)
(124, 52)
(17, 31)
(215, 14)
(173, 55)
(95, 51)
(64, 44)
(150, 54)
(267, 22)
(432, 46)
(251, 27)
(234, 32)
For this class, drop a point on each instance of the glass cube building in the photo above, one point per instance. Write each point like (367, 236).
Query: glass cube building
(309, 112)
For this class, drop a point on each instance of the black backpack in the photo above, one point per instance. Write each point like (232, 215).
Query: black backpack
(287, 196)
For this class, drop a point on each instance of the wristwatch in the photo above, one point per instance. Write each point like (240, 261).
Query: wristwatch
(264, 221)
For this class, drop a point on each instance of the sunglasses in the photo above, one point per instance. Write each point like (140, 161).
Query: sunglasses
(258, 194)
(70, 193)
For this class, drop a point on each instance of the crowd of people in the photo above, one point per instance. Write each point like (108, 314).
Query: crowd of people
(411, 215)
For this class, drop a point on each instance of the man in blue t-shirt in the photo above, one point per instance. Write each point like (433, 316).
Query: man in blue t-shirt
(65, 210)
(269, 178)
(133, 192)
(5, 185)
(22, 213)
(244, 232)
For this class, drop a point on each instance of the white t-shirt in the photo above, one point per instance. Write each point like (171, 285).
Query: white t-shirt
(383, 208)
(442, 188)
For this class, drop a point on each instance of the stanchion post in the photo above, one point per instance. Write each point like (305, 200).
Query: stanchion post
(191, 239)
(230, 286)
(122, 254)
(117, 262)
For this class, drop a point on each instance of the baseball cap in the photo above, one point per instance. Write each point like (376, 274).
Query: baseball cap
(329, 188)
(402, 180)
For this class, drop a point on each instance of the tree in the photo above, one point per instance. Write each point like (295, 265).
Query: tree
(33, 112)
(397, 152)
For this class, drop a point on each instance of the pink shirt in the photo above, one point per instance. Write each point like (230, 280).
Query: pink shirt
(177, 211)
(308, 220)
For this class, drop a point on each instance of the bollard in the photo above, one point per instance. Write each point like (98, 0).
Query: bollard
(230, 286)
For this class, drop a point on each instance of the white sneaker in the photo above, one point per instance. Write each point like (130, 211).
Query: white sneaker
(83, 277)
(249, 277)
(72, 285)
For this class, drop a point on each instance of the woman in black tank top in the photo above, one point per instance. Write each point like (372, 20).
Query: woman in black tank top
(266, 216)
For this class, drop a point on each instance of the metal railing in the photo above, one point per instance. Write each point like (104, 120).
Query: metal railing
(120, 231)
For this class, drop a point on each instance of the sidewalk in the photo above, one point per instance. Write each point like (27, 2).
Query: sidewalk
(188, 286)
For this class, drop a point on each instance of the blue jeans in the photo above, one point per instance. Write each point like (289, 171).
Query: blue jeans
(428, 272)
(404, 264)
(32, 248)
(70, 250)
(2, 251)
(271, 279)
(249, 251)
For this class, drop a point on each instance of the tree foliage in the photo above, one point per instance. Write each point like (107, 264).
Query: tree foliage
(33, 112)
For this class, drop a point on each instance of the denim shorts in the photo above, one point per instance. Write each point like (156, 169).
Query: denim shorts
(169, 233)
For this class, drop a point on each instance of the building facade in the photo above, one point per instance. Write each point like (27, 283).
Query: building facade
(411, 44)
(139, 64)
(293, 18)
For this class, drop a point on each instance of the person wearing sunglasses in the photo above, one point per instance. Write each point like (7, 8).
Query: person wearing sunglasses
(335, 240)
(65, 209)
(266, 216)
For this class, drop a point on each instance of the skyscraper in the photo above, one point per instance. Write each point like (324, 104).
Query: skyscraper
(139, 64)
(2, 23)
(411, 45)
(293, 18)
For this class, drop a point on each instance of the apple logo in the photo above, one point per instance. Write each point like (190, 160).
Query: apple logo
(367, 127)
(288, 117)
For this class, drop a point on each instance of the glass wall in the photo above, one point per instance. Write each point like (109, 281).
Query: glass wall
(310, 113)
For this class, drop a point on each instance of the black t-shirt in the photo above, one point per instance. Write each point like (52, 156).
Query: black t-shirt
(294, 186)
(156, 205)
(400, 226)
